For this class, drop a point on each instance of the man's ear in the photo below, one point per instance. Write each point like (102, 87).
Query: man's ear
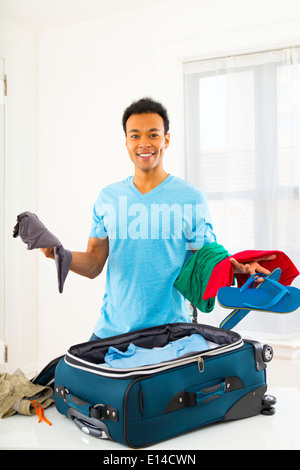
(167, 140)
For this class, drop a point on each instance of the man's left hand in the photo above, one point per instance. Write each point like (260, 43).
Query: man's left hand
(251, 268)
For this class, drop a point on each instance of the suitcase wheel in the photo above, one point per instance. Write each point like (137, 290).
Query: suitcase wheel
(267, 353)
(267, 405)
(269, 400)
(268, 411)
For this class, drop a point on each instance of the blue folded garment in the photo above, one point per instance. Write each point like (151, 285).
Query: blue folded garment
(135, 356)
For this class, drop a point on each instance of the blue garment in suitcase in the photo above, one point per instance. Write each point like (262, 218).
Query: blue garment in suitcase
(139, 406)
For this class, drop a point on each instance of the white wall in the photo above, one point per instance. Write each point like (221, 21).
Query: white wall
(87, 74)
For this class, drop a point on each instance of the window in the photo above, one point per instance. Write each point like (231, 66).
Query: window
(242, 118)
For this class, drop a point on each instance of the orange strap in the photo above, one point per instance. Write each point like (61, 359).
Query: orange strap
(40, 412)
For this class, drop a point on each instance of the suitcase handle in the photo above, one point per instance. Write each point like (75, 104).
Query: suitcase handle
(211, 393)
(229, 384)
(90, 430)
(98, 411)
(200, 397)
(90, 426)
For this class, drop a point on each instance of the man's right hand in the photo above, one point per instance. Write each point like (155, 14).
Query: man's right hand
(89, 263)
(48, 252)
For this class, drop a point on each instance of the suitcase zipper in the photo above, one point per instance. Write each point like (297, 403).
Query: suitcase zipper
(200, 364)
(107, 371)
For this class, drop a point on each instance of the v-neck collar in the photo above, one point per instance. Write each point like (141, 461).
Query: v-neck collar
(149, 193)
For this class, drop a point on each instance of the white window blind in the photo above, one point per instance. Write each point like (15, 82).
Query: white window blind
(242, 125)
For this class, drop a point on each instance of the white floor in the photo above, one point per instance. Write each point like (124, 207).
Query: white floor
(278, 432)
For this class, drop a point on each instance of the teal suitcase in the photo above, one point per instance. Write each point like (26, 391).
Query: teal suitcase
(141, 406)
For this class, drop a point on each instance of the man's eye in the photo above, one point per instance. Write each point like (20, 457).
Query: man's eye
(134, 136)
(153, 135)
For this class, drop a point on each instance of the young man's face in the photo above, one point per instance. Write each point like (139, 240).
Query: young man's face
(146, 140)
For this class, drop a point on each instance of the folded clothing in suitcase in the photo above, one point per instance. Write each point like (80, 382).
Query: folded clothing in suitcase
(139, 406)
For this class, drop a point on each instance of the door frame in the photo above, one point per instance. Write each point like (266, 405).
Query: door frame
(12, 261)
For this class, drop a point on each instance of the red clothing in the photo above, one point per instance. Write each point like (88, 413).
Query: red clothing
(222, 274)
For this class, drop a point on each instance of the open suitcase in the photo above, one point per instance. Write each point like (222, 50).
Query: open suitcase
(140, 406)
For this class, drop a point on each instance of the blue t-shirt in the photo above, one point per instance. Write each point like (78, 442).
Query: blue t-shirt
(150, 238)
(135, 356)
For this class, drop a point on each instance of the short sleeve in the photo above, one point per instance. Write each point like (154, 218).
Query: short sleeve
(198, 224)
(98, 229)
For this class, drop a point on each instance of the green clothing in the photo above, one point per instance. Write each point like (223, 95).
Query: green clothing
(195, 274)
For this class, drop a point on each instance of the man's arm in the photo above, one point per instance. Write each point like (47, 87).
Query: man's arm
(89, 263)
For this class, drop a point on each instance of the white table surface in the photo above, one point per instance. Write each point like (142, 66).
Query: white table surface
(280, 431)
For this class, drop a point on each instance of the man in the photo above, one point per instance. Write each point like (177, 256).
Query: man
(146, 226)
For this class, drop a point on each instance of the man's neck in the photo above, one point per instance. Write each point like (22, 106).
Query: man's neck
(145, 181)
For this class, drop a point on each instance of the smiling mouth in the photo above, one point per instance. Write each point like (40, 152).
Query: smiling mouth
(145, 155)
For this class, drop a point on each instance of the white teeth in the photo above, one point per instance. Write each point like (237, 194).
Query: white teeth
(145, 154)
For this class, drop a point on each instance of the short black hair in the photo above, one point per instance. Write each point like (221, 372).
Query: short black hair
(146, 105)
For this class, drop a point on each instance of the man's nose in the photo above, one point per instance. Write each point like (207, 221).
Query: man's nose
(144, 142)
